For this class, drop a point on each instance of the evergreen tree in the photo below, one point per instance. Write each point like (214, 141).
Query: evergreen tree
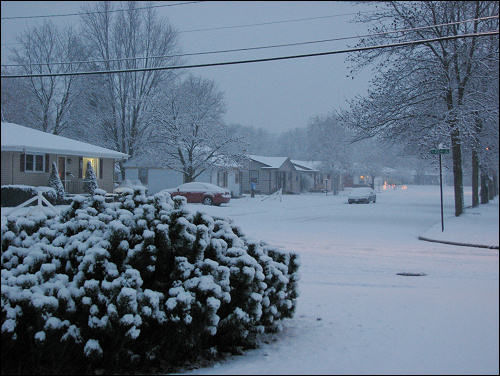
(90, 182)
(56, 183)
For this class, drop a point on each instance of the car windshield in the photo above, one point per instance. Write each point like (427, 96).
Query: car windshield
(361, 190)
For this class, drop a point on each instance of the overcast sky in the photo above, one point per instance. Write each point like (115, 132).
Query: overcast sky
(276, 96)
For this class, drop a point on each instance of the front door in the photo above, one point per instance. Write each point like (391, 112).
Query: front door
(283, 181)
(61, 168)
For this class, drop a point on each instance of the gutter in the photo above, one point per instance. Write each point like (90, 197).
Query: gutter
(93, 154)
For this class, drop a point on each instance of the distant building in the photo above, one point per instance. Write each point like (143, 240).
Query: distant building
(270, 174)
(156, 177)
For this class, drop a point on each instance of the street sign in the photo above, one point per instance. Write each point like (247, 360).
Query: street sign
(440, 151)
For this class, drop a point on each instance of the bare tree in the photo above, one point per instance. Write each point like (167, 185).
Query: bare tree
(258, 141)
(188, 132)
(134, 38)
(41, 47)
(328, 141)
(421, 92)
(19, 105)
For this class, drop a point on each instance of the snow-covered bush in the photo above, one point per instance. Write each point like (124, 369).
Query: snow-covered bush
(56, 183)
(90, 182)
(133, 283)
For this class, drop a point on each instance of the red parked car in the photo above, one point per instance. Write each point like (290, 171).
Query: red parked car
(204, 193)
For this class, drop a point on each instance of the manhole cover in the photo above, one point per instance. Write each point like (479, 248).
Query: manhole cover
(411, 274)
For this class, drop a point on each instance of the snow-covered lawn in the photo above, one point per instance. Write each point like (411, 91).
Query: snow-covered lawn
(355, 315)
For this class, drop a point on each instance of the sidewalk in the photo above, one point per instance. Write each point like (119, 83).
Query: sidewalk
(476, 227)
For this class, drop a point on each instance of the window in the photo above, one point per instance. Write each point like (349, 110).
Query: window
(222, 178)
(95, 166)
(34, 162)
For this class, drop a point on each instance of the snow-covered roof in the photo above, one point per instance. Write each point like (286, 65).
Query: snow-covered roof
(19, 138)
(306, 165)
(271, 162)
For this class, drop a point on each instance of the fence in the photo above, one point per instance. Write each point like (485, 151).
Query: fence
(39, 205)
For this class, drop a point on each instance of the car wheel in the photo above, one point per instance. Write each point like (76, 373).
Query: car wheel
(207, 201)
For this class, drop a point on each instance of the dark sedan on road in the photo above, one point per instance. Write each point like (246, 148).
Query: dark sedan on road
(204, 193)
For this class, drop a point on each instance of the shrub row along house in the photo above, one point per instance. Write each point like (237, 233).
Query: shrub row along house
(27, 155)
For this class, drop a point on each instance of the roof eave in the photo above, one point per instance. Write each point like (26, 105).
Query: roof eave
(42, 149)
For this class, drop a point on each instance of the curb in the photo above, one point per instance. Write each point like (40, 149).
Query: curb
(461, 244)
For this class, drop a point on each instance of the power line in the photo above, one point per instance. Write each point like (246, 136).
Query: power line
(96, 12)
(257, 48)
(237, 26)
(270, 22)
(408, 43)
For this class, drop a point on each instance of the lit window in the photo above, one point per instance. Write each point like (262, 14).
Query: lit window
(95, 165)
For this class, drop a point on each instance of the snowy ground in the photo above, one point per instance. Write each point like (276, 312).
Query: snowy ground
(355, 315)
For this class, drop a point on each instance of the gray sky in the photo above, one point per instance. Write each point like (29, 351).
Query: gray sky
(276, 96)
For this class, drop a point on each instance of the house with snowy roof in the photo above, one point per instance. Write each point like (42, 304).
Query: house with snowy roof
(153, 174)
(270, 174)
(321, 177)
(28, 154)
(312, 177)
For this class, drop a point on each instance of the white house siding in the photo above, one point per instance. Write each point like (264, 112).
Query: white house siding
(6, 168)
(132, 173)
(159, 179)
(14, 175)
(233, 181)
(106, 181)
(205, 177)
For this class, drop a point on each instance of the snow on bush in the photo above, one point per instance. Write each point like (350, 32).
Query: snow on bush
(133, 283)
(56, 183)
(90, 182)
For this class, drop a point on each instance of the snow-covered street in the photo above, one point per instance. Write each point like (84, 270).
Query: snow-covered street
(355, 315)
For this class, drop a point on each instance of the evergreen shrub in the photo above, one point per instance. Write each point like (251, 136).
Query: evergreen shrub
(56, 183)
(137, 283)
(90, 182)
